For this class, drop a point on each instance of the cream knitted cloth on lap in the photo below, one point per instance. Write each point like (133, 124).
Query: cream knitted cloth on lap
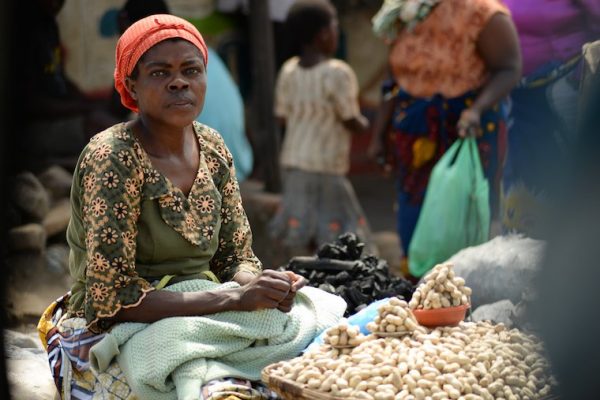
(172, 358)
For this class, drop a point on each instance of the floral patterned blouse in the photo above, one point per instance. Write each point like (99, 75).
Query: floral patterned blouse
(131, 226)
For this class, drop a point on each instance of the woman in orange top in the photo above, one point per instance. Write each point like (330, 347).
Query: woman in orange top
(451, 62)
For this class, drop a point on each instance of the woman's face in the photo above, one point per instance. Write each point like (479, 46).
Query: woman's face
(171, 83)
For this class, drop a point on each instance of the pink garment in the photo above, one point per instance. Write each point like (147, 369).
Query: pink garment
(553, 30)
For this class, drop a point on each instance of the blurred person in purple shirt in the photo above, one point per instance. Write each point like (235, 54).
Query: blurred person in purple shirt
(544, 105)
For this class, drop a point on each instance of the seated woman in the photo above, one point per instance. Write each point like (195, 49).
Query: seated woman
(155, 203)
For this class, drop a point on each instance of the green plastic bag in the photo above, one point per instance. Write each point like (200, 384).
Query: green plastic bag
(456, 210)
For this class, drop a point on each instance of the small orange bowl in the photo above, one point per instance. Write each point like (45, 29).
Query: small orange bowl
(448, 316)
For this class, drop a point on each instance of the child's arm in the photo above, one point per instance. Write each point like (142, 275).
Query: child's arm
(343, 89)
(280, 122)
(282, 94)
(358, 124)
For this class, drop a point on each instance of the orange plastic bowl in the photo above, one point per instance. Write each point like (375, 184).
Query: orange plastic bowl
(447, 316)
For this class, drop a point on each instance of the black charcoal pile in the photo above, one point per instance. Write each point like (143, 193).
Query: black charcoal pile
(339, 268)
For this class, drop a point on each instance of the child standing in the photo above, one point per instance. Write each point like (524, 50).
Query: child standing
(317, 99)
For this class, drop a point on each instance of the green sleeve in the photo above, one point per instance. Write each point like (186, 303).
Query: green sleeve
(234, 253)
(111, 195)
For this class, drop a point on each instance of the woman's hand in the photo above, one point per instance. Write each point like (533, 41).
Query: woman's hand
(267, 290)
(469, 124)
(298, 282)
(375, 151)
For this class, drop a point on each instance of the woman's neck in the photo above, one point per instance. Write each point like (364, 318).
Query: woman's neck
(160, 140)
(311, 56)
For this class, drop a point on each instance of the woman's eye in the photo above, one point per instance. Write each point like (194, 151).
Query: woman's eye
(192, 71)
(158, 73)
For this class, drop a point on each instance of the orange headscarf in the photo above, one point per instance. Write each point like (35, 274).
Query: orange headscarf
(140, 37)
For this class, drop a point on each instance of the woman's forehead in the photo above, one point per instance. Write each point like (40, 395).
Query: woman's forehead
(172, 49)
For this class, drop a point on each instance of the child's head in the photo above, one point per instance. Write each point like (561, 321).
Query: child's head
(313, 23)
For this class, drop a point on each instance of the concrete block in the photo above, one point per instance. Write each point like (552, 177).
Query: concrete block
(57, 181)
(30, 196)
(57, 220)
(29, 237)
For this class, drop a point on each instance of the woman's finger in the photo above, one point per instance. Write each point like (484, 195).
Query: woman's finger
(299, 283)
(268, 304)
(286, 276)
(286, 305)
(278, 282)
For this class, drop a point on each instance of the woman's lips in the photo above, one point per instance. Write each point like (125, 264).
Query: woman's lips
(181, 104)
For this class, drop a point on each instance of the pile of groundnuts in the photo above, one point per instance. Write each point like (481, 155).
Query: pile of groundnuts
(440, 289)
(394, 317)
(343, 337)
(471, 361)
(402, 360)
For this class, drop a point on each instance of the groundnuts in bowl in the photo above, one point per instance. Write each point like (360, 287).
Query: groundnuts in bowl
(441, 288)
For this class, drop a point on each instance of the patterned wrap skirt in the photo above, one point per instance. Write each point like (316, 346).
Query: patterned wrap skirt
(423, 129)
(68, 342)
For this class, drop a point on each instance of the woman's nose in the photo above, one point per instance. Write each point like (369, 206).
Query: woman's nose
(178, 84)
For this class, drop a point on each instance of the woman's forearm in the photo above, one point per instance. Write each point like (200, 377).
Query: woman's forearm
(498, 86)
(161, 304)
(498, 45)
(383, 119)
(265, 291)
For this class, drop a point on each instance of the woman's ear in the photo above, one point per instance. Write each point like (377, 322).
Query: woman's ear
(130, 85)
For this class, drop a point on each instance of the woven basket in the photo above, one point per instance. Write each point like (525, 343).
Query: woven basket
(291, 390)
